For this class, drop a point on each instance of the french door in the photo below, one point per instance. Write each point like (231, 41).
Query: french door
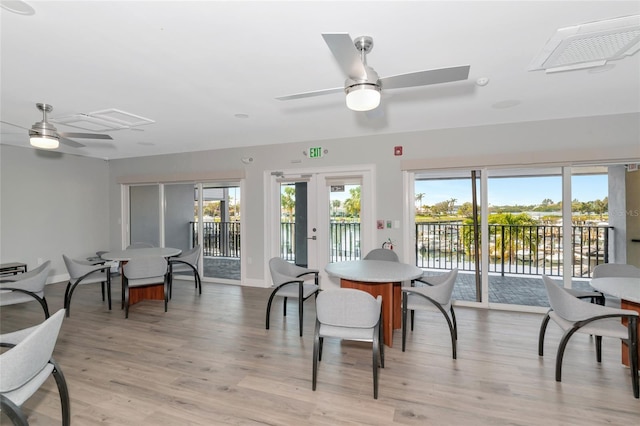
(321, 216)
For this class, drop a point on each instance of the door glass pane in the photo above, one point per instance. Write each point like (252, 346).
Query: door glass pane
(445, 230)
(592, 228)
(525, 234)
(344, 232)
(293, 222)
(220, 231)
(144, 214)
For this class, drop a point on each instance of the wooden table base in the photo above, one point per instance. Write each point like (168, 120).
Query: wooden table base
(391, 303)
(152, 292)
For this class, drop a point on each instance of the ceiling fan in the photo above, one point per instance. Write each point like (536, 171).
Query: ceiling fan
(44, 135)
(363, 85)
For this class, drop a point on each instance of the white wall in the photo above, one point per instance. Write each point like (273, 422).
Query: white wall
(564, 141)
(51, 204)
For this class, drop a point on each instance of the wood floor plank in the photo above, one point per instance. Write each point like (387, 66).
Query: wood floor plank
(210, 361)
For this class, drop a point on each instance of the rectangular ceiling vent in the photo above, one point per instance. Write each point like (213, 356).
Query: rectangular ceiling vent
(589, 45)
(103, 121)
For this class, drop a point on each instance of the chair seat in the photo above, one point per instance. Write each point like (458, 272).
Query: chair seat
(21, 394)
(609, 327)
(140, 282)
(292, 290)
(12, 297)
(417, 302)
(351, 333)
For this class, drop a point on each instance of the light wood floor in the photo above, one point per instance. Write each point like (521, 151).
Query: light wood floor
(209, 361)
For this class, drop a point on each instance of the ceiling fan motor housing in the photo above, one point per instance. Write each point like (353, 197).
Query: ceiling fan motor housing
(44, 129)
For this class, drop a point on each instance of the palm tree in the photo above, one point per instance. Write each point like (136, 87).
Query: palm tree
(288, 201)
(352, 204)
(419, 198)
(336, 205)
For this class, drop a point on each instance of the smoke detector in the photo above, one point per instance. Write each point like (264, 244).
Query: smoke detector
(589, 45)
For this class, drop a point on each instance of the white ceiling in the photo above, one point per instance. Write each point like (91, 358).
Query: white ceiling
(192, 66)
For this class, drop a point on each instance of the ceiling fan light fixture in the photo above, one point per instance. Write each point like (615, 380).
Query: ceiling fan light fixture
(44, 142)
(363, 97)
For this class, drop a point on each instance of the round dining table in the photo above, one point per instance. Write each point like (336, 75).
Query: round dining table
(136, 294)
(627, 289)
(378, 278)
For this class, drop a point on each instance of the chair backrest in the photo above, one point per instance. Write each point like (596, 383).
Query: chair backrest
(25, 360)
(190, 256)
(347, 307)
(145, 267)
(139, 245)
(283, 271)
(77, 269)
(565, 304)
(616, 270)
(382, 254)
(34, 282)
(442, 291)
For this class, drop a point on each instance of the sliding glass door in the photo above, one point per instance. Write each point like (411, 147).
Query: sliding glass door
(183, 215)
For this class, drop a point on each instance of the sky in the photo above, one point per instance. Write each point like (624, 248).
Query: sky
(512, 191)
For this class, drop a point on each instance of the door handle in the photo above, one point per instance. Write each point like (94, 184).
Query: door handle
(312, 238)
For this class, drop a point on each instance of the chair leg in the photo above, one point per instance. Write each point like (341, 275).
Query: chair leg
(45, 307)
(166, 293)
(563, 344)
(12, 411)
(455, 323)
(598, 342)
(633, 355)
(381, 340)
(63, 390)
(109, 289)
(66, 299)
(273, 293)
(404, 320)
(543, 329)
(126, 301)
(300, 307)
(284, 307)
(453, 333)
(316, 355)
(376, 350)
(102, 288)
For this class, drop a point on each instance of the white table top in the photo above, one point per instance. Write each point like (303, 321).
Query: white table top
(374, 271)
(623, 288)
(126, 255)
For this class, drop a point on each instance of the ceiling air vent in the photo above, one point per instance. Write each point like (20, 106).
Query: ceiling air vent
(104, 120)
(589, 45)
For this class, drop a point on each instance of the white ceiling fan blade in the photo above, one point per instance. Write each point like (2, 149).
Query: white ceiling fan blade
(14, 125)
(84, 135)
(346, 54)
(423, 78)
(310, 94)
(70, 143)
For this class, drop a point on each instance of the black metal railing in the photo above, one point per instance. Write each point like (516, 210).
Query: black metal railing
(513, 249)
(344, 241)
(219, 239)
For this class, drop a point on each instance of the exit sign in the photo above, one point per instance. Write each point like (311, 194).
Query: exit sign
(315, 152)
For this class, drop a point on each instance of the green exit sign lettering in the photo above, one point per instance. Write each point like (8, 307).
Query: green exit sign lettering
(315, 152)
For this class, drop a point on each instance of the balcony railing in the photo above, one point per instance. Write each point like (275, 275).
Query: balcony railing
(344, 240)
(513, 249)
(219, 239)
